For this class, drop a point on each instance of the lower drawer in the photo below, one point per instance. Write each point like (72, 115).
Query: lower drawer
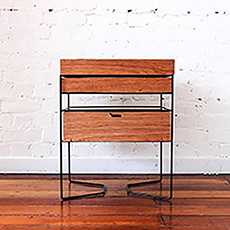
(116, 126)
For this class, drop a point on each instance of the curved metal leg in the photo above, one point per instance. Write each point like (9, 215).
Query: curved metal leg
(130, 192)
(96, 194)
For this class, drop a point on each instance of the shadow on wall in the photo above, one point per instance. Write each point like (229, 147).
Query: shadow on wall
(201, 126)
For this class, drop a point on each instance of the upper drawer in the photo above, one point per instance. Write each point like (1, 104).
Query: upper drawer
(117, 85)
(117, 67)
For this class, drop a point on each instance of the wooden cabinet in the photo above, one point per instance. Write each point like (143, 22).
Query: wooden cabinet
(116, 123)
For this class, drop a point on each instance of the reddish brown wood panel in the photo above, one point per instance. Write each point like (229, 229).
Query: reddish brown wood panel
(117, 85)
(197, 221)
(81, 221)
(116, 67)
(112, 210)
(103, 126)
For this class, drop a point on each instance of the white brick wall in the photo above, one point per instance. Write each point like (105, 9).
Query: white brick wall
(36, 34)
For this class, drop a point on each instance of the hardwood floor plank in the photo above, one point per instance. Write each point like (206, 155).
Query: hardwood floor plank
(104, 201)
(82, 220)
(151, 187)
(143, 227)
(115, 210)
(195, 221)
(121, 193)
(67, 227)
(196, 202)
(117, 201)
(119, 176)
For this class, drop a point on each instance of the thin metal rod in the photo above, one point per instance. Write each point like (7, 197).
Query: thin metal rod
(99, 141)
(118, 109)
(60, 111)
(86, 195)
(116, 93)
(68, 100)
(127, 106)
(96, 194)
(161, 102)
(69, 162)
(172, 114)
(149, 182)
(149, 195)
(116, 76)
(161, 160)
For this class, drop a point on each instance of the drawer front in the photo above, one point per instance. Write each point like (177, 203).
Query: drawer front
(116, 67)
(117, 85)
(116, 126)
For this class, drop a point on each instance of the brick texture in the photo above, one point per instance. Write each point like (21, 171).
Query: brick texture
(35, 35)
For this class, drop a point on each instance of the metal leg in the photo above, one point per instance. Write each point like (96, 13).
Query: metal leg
(61, 176)
(128, 186)
(69, 163)
(102, 193)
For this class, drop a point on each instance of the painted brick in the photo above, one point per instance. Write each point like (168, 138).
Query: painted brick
(224, 150)
(51, 135)
(20, 150)
(6, 90)
(21, 106)
(22, 121)
(217, 135)
(24, 136)
(83, 150)
(22, 4)
(6, 4)
(190, 135)
(34, 135)
(6, 121)
(130, 150)
(44, 91)
(13, 136)
(40, 150)
(86, 5)
(138, 20)
(5, 149)
(42, 121)
(23, 90)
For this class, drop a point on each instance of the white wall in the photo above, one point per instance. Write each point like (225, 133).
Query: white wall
(36, 34)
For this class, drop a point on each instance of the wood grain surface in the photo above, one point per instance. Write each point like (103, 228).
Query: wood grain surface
(116, 126)
(117, 85)
(116, 67)
(32, 202)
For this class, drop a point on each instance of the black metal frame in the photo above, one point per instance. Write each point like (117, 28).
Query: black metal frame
(102, 193)
(128, 186)
(159, 108)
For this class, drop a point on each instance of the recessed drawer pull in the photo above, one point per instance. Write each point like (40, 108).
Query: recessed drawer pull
(115, 115)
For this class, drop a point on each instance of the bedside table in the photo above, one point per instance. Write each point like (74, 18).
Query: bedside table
(116, 123)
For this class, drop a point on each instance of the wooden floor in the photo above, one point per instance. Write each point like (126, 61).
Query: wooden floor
(32, 202)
